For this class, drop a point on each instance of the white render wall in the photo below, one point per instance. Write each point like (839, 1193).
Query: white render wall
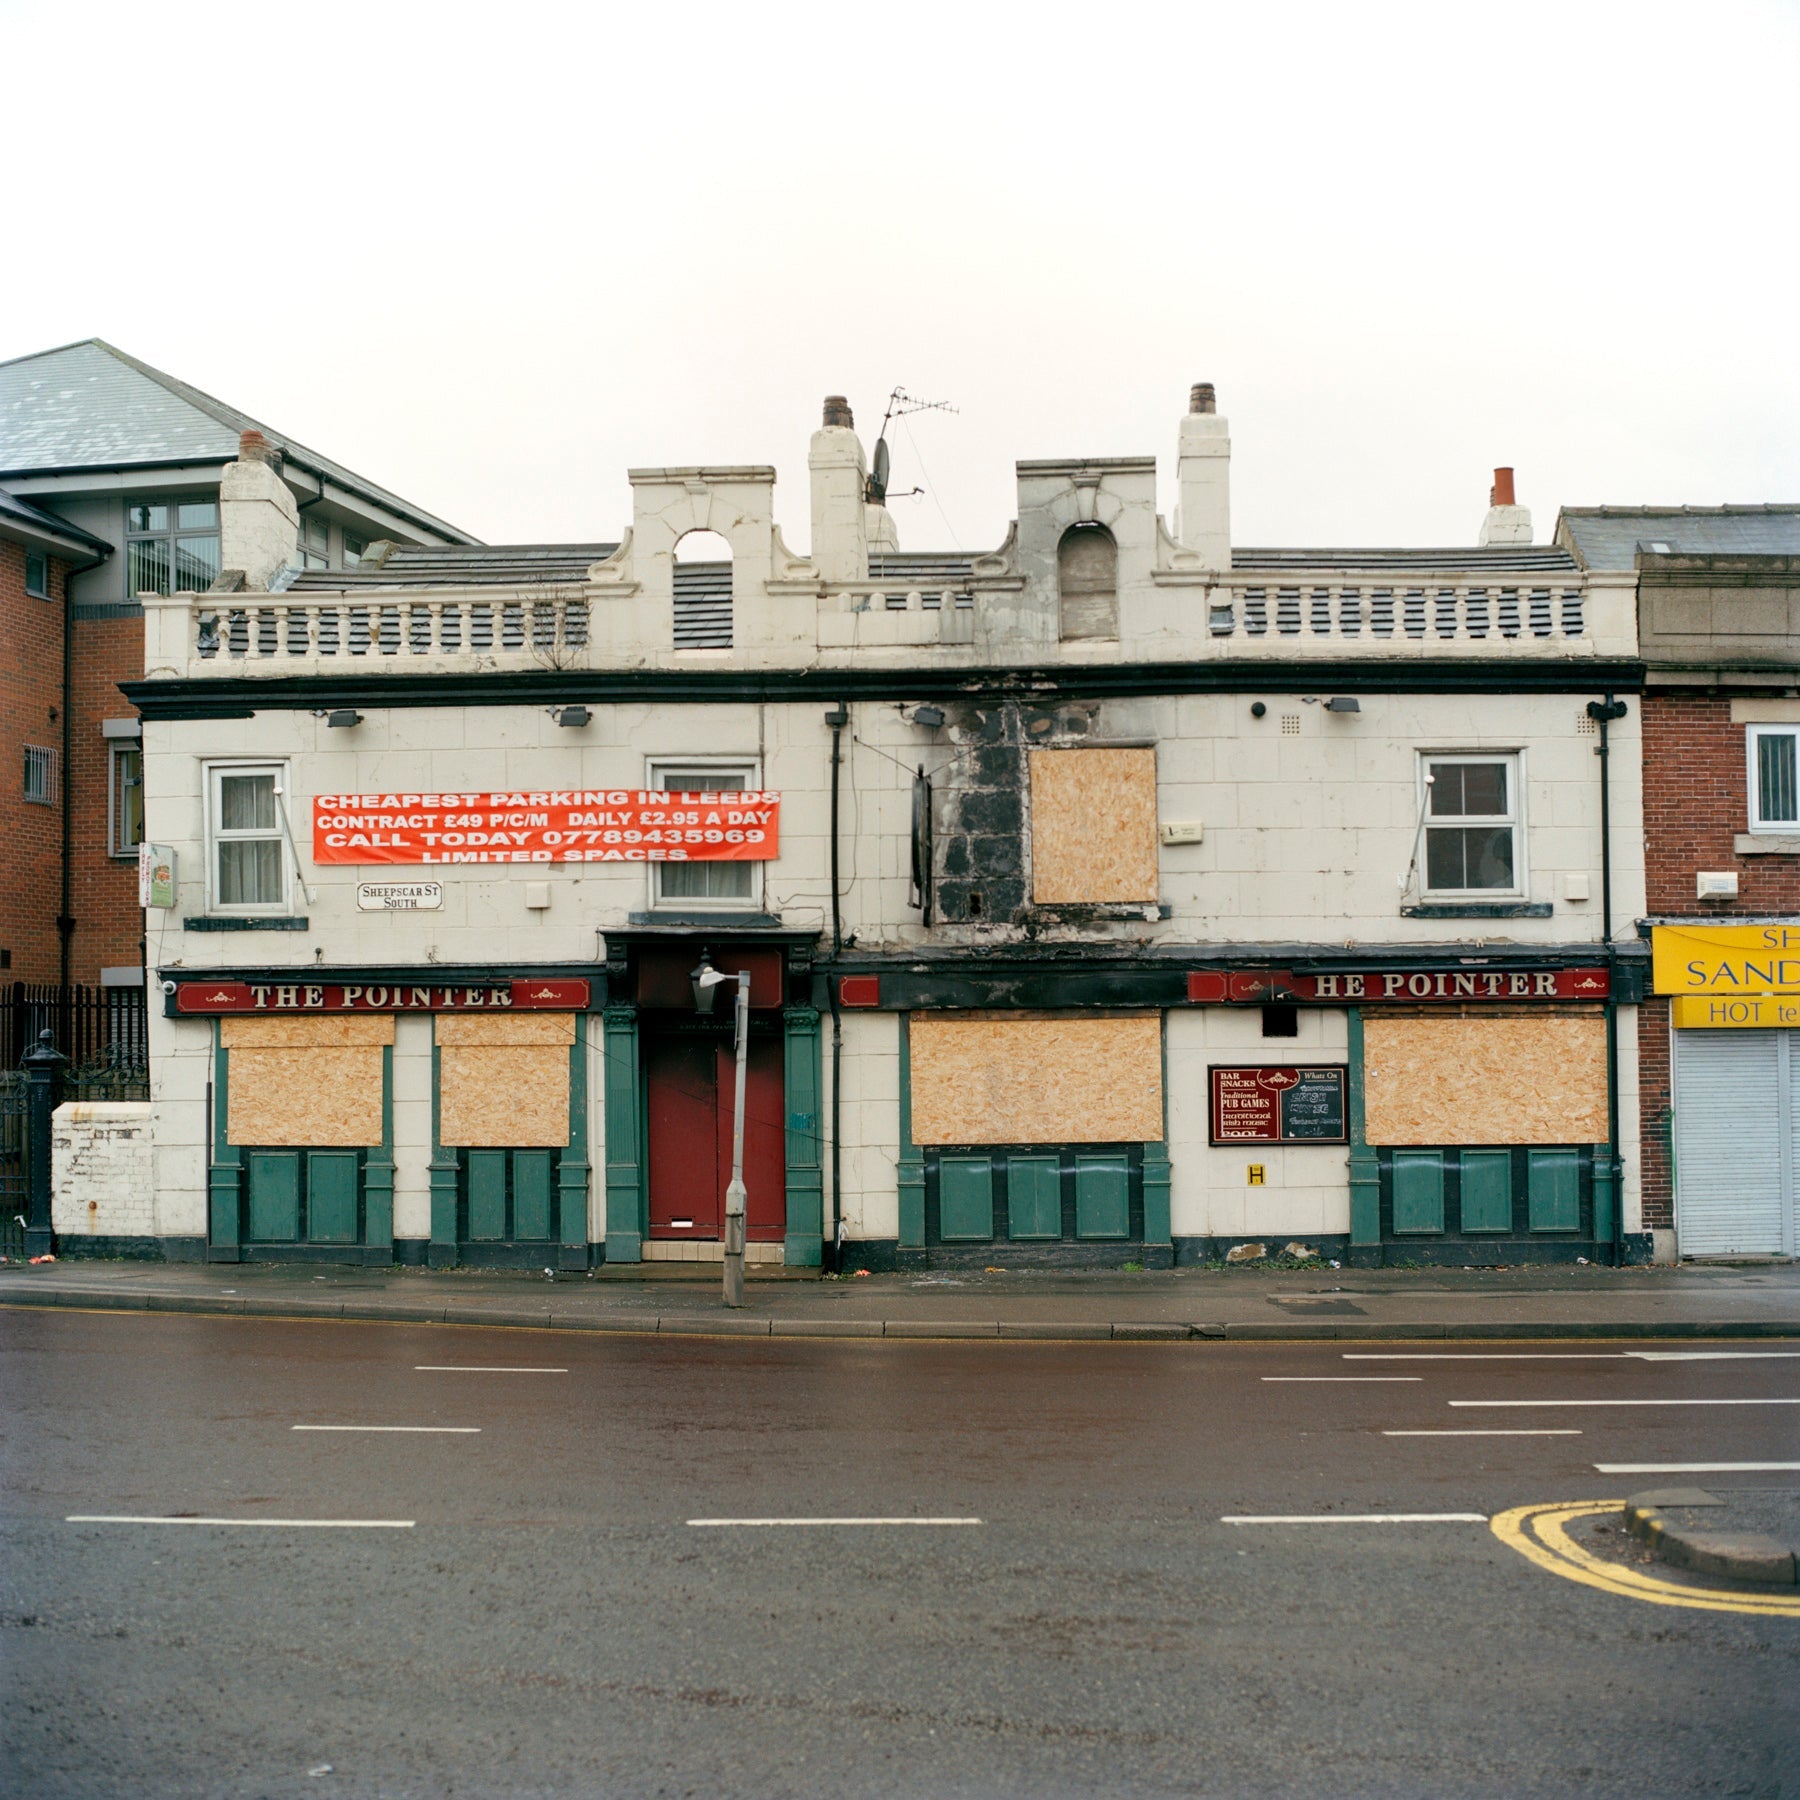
(1306, 838)
(1307, 1186)
(870, 1152)
(103, 1170)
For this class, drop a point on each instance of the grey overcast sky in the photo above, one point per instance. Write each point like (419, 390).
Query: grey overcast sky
(494, 256)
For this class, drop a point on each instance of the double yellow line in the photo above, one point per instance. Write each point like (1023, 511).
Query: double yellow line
(1540, 1533)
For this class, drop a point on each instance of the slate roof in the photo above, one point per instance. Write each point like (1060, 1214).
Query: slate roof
(1476, 559)
(32, 522)
(1609, 537)
(90, 406)
(462, 565)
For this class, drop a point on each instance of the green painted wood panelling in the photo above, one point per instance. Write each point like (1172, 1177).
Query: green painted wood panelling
(1033, 1197)
(965, 1199)
(626, 1215)
(443, 1175)
(574, 1166)
(802, 1091)
(485, 1187)
(1553, 1190)
(909, 1173)
(1157, 1179)
(273, 1212)
(225, 1171)
(331, 1196)
(378, 1175)
(531, 1181)
(1604, 1226)
(1487, 1190)
(1365, 1165)
(1102, 1197)
(1418, 1191)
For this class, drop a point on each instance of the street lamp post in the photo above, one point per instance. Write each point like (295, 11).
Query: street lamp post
(705, 979)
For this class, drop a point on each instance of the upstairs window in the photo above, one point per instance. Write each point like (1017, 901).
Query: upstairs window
(1774, 779)
(247, 863)
(701, 884)
(1472, 825)
(313, 542)
(171, 546)
(37, 575)
(354, 547)
(127, 827)
(1087, 581)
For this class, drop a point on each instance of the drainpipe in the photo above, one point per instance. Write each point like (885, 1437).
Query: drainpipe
(837, 719)
(65, 918)
(1603, 712)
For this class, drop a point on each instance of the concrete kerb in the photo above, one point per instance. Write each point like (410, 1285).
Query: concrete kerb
(1737, 1555)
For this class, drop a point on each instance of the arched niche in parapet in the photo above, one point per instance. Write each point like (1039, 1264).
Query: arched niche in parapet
(703, 616)
(1087, 583)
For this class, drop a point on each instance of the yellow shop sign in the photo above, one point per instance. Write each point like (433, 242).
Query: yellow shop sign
(1739, 961)
(1765, 1012)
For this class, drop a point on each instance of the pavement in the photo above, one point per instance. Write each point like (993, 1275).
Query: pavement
(276, 1558)
(1558, 1301)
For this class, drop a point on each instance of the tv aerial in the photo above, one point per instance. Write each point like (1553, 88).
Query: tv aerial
(900, 403)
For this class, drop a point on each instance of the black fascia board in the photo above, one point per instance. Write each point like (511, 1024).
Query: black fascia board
(235, 697)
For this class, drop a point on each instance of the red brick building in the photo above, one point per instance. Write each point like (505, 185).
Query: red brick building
(1718, 1051)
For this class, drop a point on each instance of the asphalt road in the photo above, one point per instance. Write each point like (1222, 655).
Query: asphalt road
(552, 1623)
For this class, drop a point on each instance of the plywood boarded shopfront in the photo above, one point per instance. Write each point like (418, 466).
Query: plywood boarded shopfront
(1042, 1133)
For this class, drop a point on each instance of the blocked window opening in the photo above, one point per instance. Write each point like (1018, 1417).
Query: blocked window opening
(1093, 826)
(1281, 1021)
(1087, 579)
(702, 592)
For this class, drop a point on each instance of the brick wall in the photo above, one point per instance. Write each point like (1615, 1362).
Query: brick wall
(103, 888)
(31, 629)
(1696, 801)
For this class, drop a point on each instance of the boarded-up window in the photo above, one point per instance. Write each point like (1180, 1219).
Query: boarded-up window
(1093, 826)
(1025, 1079)
(305, 1083)
(503, 1079)
(1466, 1079)
(1087, 582)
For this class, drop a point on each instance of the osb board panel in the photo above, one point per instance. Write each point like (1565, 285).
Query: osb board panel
(1093, 826)
(1037, 1080)
(255, 1031)
(505, 1028)
(503, 1096)
(1521, 1079)
(327, 1097)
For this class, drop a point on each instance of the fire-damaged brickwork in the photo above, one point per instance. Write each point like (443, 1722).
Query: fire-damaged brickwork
(1696, 803)
(982, 808)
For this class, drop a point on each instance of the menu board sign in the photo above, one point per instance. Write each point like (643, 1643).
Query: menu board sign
(1278, 1106)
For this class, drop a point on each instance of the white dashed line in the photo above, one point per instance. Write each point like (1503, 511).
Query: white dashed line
(709, 1523)
(1623, 1403)
(442, 1430)
(1707, 1468)
(1469, 1518)
(284, 1524)
(1343, 1378)
(481, 1369)
(1549, 1431)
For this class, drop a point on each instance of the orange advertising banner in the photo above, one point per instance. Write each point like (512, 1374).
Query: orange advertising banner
(587, 825)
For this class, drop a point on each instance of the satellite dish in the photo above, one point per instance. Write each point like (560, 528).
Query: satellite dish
(878, 477)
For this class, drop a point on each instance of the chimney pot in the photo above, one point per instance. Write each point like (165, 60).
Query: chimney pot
(1501, 494)
(254, 447)
(1202, 398)
(837, 412)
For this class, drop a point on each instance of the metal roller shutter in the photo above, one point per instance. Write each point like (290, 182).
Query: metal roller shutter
(1735, 1132)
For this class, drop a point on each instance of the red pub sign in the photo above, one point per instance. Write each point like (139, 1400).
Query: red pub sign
(1250, 987)
(540, 995)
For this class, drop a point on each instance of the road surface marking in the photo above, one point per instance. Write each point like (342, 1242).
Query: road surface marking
(1623, 1403)
(714, 1522)
(1522, 1431)
(1709, 1355)
(1537, 1533)
(1706, 1468)
(1482, 1355)
(1343, 1378)
(481, 1369)
(450, 1430)
(1354, 1519)
(285, 1524)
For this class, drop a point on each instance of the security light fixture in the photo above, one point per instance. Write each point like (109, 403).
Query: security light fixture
(706, 981)
(1343, 703)
(343, 717)
(571, 715)
(931, 717)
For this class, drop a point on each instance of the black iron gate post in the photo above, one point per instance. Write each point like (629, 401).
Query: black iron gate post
(44, 1074)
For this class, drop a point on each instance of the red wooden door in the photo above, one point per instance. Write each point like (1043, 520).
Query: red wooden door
(765, 1138)
(687, 1187)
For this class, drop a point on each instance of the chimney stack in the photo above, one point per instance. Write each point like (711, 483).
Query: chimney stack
(1507, 522)
(259, 522)
(840, 538)
(1203, 475)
